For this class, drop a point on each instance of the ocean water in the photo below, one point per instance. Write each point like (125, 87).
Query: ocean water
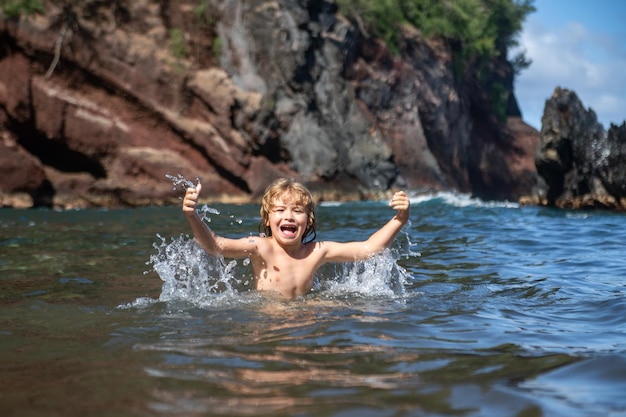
(477, 309)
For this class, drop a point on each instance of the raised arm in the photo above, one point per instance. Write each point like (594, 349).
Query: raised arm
(211, 242)
(377, 242)
(201, 232)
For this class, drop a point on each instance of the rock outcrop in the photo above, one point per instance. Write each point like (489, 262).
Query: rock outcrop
(100, 100)
(580, 165)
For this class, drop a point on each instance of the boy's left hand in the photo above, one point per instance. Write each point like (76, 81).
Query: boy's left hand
(400, 202)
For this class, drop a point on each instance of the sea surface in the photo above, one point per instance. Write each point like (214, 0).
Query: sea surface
(477, 309)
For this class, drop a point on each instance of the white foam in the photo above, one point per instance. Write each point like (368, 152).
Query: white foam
(459, 200)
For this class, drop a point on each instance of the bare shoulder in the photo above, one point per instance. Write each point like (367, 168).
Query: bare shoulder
(255, 241)
(243, 246)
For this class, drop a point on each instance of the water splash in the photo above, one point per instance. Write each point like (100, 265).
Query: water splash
(375, 277)
(192, 276)
(189, 274)
(184, 183)
(402, 247)
(179, 180)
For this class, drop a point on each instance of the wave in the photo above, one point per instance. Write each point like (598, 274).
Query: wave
(459, 200)
(331, 203)
(446, 197)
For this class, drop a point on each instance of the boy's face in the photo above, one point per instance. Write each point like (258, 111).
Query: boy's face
(288, 220)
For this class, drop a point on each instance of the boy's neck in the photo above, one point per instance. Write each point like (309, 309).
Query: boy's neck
(291, 250)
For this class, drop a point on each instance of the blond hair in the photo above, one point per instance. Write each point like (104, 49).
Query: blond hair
(288, 189)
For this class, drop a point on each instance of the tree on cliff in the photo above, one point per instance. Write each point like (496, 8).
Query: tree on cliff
(477, 31)
(476, 28)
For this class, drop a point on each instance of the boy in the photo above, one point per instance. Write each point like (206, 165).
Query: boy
(283, 260)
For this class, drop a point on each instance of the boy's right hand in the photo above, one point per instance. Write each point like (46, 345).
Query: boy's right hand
(190, 201)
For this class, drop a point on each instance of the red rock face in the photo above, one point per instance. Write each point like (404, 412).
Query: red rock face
(242, 96)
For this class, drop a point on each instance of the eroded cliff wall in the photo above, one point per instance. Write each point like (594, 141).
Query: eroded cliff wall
(100, 100)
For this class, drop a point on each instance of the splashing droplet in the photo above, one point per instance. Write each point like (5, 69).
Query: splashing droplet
(182, 181)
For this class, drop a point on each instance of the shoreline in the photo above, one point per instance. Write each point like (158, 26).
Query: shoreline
(23, 201)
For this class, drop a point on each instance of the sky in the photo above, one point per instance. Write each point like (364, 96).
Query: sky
(579, 45)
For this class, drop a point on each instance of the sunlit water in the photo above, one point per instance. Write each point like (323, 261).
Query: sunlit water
(477, 309)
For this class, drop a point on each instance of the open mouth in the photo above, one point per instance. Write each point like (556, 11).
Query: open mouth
(288, 229)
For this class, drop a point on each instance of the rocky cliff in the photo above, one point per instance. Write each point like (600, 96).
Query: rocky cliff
(580, 164)
(99, 100)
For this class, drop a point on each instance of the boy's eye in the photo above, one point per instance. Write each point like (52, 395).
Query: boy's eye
(283, 209)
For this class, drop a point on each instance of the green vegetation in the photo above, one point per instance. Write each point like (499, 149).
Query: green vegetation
(13, 9)
(203, 6)
(178, 45)
(178, 49)
(217, 47)
(499, 98)
(477, 29)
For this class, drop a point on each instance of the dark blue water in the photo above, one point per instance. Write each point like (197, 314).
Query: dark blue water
(477, 310)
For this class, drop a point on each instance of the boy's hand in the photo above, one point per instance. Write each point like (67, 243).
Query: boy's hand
(191, 199)
(400, 202)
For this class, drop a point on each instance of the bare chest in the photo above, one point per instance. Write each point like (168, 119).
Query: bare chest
(290, 275)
